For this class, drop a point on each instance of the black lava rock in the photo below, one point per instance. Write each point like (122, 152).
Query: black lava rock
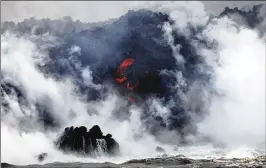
(6, 165)
(87, 143)
(42, 156)
(160, 149)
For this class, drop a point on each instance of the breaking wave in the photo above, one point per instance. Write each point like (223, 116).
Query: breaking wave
(59, 73)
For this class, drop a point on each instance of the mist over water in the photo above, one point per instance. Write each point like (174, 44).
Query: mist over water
(227, 110)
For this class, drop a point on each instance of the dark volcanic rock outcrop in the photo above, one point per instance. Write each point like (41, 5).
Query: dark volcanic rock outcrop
(87, 142)
(42, 156)
(160, 149)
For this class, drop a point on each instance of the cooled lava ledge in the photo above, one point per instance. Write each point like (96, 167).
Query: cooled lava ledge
(90, 143)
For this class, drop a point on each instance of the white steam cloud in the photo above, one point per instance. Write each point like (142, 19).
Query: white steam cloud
(235, 119)
(19, 60)
(95, 11)
(238, 116)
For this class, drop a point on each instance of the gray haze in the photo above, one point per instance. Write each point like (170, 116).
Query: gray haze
(91, 11)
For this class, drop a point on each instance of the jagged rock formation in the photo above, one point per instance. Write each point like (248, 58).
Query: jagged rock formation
(90, 143)
(42, 156)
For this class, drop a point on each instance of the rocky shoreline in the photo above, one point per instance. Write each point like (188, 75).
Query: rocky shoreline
(163, 162)
(86, 143)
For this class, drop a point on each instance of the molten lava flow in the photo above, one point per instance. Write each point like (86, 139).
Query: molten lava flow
(121, 70)
(121, 77)
(137, 79)
(127, 62)
(121, 80)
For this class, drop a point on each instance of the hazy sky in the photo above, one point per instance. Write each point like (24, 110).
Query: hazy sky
(92, 11)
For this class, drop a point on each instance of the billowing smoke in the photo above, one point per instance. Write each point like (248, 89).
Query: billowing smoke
(211, 71)
(237, 115)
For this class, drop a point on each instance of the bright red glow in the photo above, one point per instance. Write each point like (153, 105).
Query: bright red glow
(127, 62)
